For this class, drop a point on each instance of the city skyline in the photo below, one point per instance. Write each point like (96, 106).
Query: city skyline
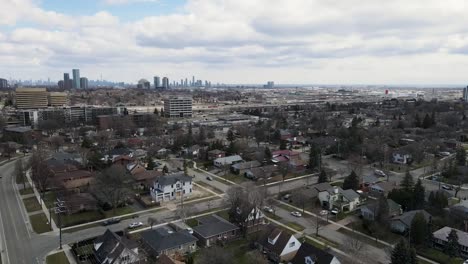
(237, 42)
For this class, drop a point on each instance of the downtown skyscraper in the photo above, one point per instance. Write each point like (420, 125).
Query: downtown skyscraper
(76, 79)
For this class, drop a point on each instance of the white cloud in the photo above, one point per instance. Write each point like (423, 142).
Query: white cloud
(121, 2)
(248, 41)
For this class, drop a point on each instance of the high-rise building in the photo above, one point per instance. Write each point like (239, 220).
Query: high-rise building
(157, 82)
(3, 83)
(84, 83)
(193, 80)
(61, 84)
(76, 79)
(269, 84)
(465, 94)
(165, 83)
(143, 84)
(186, 82)
(27, 98)
(178, 107)
(67, 83)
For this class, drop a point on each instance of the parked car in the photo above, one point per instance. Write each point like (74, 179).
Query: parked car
(268, 209)
(209, 178)
(447, 187)
(296, 214)
(286, 196)
(111, 221)
(334, 211)
(323, 212)
(380, 173)
(135, 225)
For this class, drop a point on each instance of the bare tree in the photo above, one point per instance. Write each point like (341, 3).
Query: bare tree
(356, 248)
(40, 171)
(110, 184)
(56, 142)
(152, 221)
(300, 198)
(20, 173)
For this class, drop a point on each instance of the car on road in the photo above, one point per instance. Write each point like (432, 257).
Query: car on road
(323, 212)
(209, 178)
(268, 209)
(380, 173)
(111, 221)
(296, 214)
(334, 211)
(135, 225)
(447, 187)
(286, 196)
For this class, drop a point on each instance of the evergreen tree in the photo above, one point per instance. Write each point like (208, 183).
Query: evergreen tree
(322, 177)
(314, 157)
(351, 182)
(156, 112)
(427, 122)
(86, 143)
(230, 135)
(407, 182)
(418, 195)
(433, 118)
(201, 135)
(417, 121)
(452, 248)
(165, 169)
(268, 154)
(403, 253)
(382, 215)
(461, 156)
(419, 229)
(150, 165)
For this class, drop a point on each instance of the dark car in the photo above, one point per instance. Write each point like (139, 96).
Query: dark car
(111, 221)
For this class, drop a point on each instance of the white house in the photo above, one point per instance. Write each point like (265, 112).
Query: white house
(344, 200)
(113, 249)
(169, 187)
(279, 245)
(220, 162)
(441, 235)
(401, 157)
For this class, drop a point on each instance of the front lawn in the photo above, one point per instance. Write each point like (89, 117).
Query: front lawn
(438, 256)
(57, 258)
(31, 204)
(39, 223)
(119, 211)
(28, 190)
(78, 218)
(192, 222)
(295, 226)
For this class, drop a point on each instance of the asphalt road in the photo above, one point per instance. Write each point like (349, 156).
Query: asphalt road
(16, 238)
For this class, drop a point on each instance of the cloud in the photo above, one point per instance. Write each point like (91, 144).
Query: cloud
(122, 2)
(337, 40)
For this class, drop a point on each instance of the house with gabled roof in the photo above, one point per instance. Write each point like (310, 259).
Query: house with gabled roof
(308, 254)
(113, 249)
(402, 223)
(166, 241)
(278, 245)
(212, 229)
(172, 186)
(440, 238)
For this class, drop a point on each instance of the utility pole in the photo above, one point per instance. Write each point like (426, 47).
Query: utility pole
(59, 209)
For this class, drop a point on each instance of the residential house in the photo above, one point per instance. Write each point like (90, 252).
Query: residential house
(278, 245)
(79, 202)
(215, 154)
(169, 187)
(123, 160)
(164, 259)
(368, 180)
(192, 151)
(460, 210)
(214, 229)
(401, 157)
(113, 249)
(21, 135)
(263, 172)
(165, 241)
(402, 223)
(381, 188)
(248, 217)
(285, 134)
(295, 160)
(440, 239)
(240, 168)
(73, 179)
(308, 254)
(335, 197)
(369, 211)
(227, 161)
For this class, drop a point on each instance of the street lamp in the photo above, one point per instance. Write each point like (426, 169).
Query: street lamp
(59, 209)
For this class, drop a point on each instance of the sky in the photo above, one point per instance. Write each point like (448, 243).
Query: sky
(238, 41)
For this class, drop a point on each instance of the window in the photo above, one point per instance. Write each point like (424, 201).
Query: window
(292, 244)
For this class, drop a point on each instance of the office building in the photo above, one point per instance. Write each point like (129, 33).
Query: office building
(165, 83)
(57, 99)
(27, 98)
(3, 83)
(465, 94)
(84, 83)
(193, 80)
(143, 84)
(269, 84)
(186, 82)
(67, 82)
(61, 84)
(178, 107)
(76, 79)
(157, 82)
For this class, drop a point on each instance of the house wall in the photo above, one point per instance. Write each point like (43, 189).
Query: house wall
(208, 242)
(171, 191)
(190, 247)
(289, 250)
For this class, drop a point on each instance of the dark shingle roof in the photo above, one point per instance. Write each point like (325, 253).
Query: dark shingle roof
(161, 239)
(173, 178)
(407, 217)
(213, 225)
(272, 232)
(112, 245)
(316, 254)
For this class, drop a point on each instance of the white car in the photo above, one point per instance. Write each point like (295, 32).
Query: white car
(335, 211)
(447, 187)
(380, 173)
(465, 262)
(268, 209)
(135, 225)
(323, 212)
(296, 214)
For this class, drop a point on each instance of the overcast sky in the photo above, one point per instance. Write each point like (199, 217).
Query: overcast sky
(238, 41)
